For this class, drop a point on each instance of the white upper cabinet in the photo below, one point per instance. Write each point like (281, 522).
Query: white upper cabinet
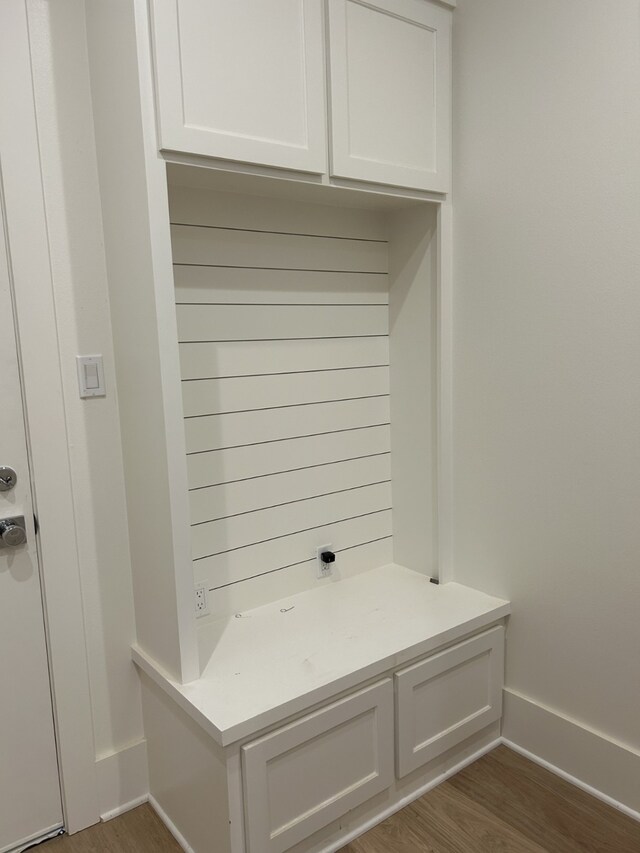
(245, 81)
(390, 86)
(242, 80)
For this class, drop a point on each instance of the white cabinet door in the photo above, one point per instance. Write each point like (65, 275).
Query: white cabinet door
(390, 63)
(242, 80)
(448, 697)
(305, 775)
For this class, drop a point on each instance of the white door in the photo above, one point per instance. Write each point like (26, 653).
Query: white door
(390, 63)
(242, 80)
(30, 804)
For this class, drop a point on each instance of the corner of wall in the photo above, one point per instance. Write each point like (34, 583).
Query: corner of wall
(123, 780)
(599, 765)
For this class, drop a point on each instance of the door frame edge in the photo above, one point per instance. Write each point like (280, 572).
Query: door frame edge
(47, 437)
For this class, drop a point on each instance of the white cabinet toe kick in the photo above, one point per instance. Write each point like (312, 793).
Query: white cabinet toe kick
(317, 777)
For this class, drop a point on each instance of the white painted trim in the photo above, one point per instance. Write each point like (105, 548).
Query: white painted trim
(601, 766)
(164, 817)
(302, 184)
(410, 798)
(123, 779)
(162, 261)
(125, 807)
(32, 841)
(444, 392)
(47, 429)
(599, 795)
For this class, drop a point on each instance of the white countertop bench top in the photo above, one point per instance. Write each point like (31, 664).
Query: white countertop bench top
(266, 664)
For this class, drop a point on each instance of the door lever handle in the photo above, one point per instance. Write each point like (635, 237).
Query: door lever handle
(12, 532)
(8, 478)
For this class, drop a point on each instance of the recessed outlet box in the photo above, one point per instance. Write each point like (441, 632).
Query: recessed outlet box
(325, 569)
(201, 600)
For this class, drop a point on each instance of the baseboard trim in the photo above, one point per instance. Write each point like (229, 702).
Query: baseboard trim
(173, 829)
(602, 767)
(125, 807)
(34, 840)
(410, 798)
(123, 781)
(599, 795)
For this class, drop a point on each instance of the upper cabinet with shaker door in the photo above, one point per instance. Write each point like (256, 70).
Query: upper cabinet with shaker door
(242, 80)
(245, 81)
(390, 85)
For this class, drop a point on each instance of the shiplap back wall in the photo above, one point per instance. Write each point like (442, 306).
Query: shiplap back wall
(283, 327)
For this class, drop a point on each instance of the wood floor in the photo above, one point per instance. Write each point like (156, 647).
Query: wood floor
(137, 831)
(503, 804)
(500, 804)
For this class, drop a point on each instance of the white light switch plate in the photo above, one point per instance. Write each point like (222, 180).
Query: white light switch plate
(91, 376)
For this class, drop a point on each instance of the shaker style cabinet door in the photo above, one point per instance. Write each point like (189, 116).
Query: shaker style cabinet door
(390, 90)
(303, 776)
(242, 80)
(448, 697)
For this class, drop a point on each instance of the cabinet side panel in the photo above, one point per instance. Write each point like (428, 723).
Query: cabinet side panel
(137, 250)
(413, 339)
(187, 772)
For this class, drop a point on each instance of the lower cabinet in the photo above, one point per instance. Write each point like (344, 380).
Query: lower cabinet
(310, 782)
(446, 698)
(301, 777)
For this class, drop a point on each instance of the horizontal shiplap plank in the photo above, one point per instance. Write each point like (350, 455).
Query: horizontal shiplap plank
(266, 322)
(230, 247)
(283, 328)
(238, 597)
(260, 492)
(246, 358)
(259, 460)
(278, 553)
(213, 432)
(200, 206)
(216, 396)
(240, 530)
(227, 284)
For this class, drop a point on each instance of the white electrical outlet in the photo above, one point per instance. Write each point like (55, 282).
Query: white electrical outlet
(324, 570)
(201, 600)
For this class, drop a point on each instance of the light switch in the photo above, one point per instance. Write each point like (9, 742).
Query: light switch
(91, 376)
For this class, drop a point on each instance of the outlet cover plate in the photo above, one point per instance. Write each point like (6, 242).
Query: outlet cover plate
(201, 600)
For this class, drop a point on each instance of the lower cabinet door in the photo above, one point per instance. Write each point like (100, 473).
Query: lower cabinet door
(448, 697)
(305, 775)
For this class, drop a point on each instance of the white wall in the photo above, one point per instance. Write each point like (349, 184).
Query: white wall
(547, 356)
(82, 314)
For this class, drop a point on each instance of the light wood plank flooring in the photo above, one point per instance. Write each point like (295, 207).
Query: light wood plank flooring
(137, 831)
(505, 803)
(500, 804)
